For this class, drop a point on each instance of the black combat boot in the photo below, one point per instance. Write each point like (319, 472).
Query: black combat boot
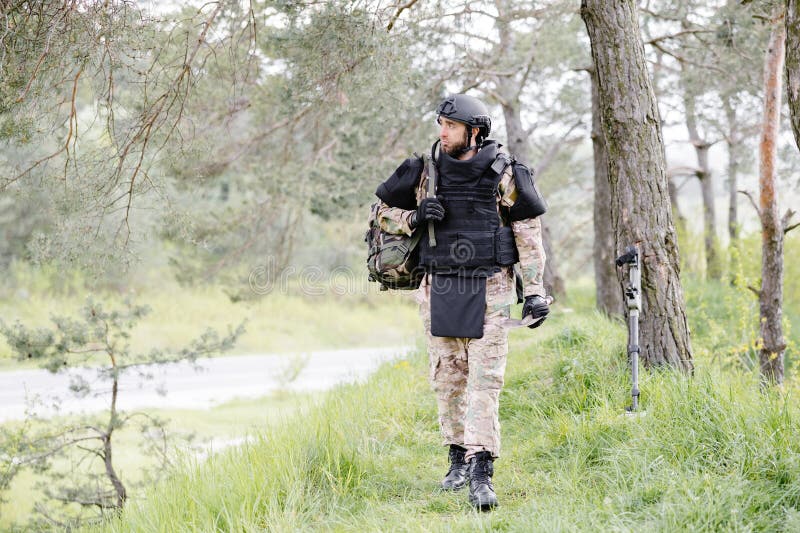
(481, 492)
(456, 477)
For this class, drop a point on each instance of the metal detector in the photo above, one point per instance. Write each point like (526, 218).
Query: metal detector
(633, 300)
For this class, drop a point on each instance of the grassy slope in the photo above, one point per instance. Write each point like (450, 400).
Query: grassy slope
(713, 453)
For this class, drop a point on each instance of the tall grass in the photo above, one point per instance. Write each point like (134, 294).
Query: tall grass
(712, 453)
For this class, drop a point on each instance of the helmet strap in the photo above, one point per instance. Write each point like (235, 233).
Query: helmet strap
(468, 147)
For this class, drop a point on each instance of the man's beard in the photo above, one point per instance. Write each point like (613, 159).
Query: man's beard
(455, 149)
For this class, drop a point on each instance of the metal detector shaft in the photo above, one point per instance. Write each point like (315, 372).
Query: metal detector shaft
(633, 353)
(633, 300)
(431, 193)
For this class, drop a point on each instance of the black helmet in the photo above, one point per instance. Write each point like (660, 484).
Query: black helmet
(468, 110)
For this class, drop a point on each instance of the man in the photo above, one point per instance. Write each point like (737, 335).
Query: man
(482, 223)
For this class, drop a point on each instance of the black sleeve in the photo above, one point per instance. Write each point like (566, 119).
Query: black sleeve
(400, 189)
(529, 202)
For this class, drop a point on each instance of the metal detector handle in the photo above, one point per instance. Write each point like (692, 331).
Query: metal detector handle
(431, 194)
(633, 290)
(631, 255)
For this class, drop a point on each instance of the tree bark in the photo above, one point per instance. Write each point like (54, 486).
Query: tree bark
(672, 190)
(703, 173)
(607, 290)
(733, 172)
(640, 205)
(771, 294)
(733, 142)
(793, 64)
(119, 489)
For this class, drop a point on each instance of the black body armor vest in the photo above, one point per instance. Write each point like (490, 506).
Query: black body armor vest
(471, 239)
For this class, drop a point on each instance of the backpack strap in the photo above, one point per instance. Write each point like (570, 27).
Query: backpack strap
(415, 238)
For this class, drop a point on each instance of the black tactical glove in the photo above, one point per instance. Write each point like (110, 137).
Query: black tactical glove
(537, 307)
(429, 209)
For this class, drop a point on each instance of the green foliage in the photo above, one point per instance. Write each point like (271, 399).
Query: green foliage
(724, 315)
(77, 457)
(97, 331)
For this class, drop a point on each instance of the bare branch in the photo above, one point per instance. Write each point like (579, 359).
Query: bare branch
(752, 201)
(678, 34)
(528, 67)
(38, 65)
(674, 172)
(685, 60)
(497, 96)
(787, 217)
(73, 119)
(555, 148)
(37, 457)
(661, 16)
(399, 11)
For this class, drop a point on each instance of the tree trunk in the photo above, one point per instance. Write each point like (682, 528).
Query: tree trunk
(119, 489)
(640, 205)
(703, 173)
(733, 187)
(793, 64)
(609, 296)
(518, 145)
(771, 294)
(672, 190)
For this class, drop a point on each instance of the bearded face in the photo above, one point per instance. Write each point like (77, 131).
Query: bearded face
(453, 136)
(454, 146)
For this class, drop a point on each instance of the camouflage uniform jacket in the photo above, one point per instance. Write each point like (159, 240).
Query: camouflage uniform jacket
(527, 234)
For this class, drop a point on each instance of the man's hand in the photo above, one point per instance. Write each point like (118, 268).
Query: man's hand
(537, 307)
(429, 209)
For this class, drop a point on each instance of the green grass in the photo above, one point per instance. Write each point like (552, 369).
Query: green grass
(713, 453)
(190, 432)
(283, 321)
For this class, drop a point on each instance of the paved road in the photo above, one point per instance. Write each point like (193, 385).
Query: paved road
(220, 379)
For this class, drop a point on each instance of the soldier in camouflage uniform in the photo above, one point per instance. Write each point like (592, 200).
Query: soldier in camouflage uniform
(467, 372)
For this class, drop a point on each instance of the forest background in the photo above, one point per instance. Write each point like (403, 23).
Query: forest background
(216, 161)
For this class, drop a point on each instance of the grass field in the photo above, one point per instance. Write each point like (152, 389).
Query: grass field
(712, 453)
(284, 321)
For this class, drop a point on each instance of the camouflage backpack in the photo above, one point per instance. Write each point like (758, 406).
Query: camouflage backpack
(392, 260)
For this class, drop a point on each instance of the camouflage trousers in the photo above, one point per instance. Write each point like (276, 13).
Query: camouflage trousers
(467, 374)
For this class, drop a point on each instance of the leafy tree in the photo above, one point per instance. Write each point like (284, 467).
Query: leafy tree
(101, 338)
(91, 101)
(329, 109)
(706, 70)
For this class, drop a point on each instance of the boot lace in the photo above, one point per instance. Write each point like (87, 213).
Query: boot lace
(456, 458)
(482, 471)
